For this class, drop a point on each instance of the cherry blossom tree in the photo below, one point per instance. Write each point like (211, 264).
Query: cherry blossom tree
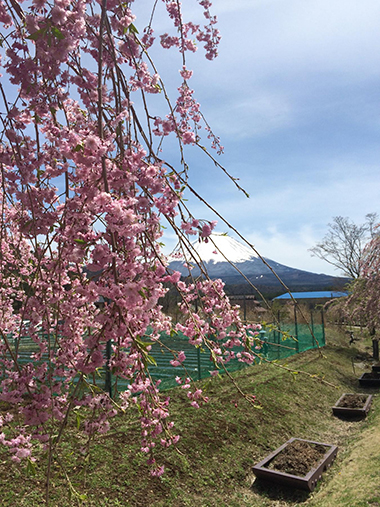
(363, 303)
(85, 188)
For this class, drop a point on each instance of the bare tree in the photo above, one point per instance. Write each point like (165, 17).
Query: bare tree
(344, 244)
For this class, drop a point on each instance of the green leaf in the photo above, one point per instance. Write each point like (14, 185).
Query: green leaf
(37, 35)
(31, 467)
(132, 28)
(80, 241)
(142, 344)
(142, 293)
(57, 33)
(151, 360)
(79, 147)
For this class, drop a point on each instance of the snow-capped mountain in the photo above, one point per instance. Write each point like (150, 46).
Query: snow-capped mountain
(220, 246)
(222, 250)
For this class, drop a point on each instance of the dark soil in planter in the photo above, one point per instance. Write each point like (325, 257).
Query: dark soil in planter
(297, 463)
(371, 375)
(298, 458)
(370, 379)
(352, 406)
(353, 401)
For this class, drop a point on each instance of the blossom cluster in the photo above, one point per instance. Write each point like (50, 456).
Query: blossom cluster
(217, 325)
(362, 306)
(209, 34)
(84, 192)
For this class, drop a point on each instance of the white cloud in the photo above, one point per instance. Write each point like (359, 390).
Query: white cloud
(259, 113)
(292, 249)
(286, 218)
(284, 37)
(293, 96)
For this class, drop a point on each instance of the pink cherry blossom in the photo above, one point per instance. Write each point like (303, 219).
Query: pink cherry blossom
(86, 189)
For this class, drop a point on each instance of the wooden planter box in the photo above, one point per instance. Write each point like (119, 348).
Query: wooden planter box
(370, 379)
(306, 482)
(347, 411)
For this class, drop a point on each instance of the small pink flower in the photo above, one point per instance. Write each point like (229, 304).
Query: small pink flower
(181, 356)
(206, 231)
(157, 472)
(188, 137)
(186, 74)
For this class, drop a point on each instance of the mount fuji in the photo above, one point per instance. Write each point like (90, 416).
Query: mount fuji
(221, 250)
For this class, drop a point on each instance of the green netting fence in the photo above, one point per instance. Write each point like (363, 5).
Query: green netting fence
(279, 341)
(290, 339)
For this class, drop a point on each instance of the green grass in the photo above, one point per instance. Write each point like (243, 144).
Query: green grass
(220, 442)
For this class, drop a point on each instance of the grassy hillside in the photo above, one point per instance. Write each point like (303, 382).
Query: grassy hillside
(212, 465)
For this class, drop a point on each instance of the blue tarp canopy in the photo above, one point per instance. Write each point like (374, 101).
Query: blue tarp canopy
(313, 295)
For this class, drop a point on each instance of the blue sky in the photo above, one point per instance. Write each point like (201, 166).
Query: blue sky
(295, 97)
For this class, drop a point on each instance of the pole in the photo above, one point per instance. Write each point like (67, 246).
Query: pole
(198, 348)
(375, 349)
(278, 334)
(312, 326)
(323, 326)
(108, 382)
(296, 329)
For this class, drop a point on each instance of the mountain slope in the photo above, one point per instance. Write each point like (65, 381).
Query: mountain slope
(221, 248)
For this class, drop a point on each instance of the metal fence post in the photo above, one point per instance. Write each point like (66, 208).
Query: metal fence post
(278, 334)
(296, 328)
(198, 348)
(312, 327)
(108, 382)
(323, 326)
(375, 349)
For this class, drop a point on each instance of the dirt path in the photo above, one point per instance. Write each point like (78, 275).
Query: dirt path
(354, 480)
